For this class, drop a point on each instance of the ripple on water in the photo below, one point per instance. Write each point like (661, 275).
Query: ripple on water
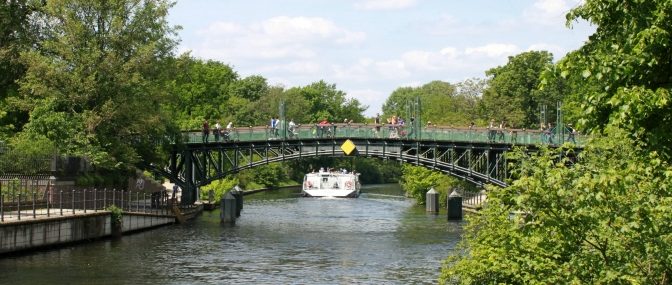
(375, 239)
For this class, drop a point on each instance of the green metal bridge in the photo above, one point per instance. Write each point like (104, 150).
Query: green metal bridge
(473, 154)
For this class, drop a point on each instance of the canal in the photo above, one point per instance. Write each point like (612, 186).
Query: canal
(281, 238)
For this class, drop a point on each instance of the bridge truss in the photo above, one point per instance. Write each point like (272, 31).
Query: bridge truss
(194, 165)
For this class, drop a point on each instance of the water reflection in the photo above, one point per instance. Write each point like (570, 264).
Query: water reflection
(379, 238)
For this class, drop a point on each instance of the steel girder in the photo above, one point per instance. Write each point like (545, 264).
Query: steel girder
(195, 165)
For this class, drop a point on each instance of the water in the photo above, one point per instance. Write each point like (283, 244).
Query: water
(379, 238)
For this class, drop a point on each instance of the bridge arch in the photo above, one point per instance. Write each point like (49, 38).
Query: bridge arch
(198, 164)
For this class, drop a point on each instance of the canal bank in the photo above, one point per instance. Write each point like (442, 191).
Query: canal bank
(34, 234)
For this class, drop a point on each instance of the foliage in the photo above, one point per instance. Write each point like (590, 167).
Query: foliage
(200, 90)
(93, 86)
(605, 220)
(513, 94)
(627, 64)
(115, 214)
(219, 187)
(17, 34)
(323, 100)
(27, 155)
(441, 102)
(417, 180)
(268, 176)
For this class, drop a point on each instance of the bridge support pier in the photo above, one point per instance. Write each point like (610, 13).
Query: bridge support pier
(229, 209)
(432, 201)
(454, 206)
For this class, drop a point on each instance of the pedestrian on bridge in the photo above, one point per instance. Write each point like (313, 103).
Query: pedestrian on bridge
(572, 133)
(376, 122)
(206, 131)
(217, 131)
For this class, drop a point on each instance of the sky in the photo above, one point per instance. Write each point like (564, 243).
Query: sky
(369, 48)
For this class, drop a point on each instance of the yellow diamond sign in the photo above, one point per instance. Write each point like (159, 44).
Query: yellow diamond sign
(348, 147)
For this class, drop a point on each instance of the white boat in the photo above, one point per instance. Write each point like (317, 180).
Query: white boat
(331, 184)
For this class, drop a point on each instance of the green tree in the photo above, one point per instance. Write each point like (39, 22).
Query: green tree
(200, 90)
(326, 101)
(441, 102)
(513, 93)
(627, 61)
(605, 220)
(17, 34)
(95, 85)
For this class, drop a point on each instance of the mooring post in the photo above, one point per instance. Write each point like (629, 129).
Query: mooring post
(432, 201)
(238, 194)
(454, 206)
(228, 205)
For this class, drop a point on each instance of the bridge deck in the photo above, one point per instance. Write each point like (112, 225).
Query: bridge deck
(365, 131)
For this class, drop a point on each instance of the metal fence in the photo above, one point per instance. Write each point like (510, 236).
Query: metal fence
(474, 199)
(22, 200)
(437, 133)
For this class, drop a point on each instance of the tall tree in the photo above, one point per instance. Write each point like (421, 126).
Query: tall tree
(441, 102)
(17, 34)
(627, 61)
(95, 87)
(326, 101)
(513, 92)
(199, 90)
(606, 218)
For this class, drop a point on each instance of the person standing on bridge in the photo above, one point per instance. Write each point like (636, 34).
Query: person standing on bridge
(274, 123)
(206, 131)
(376, 122)
(217, 131)
(572, 133)
(292, 128)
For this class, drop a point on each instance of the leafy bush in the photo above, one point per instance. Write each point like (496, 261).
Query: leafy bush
(603, 220)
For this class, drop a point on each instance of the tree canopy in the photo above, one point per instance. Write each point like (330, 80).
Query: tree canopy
(604, 219)
(93, 85)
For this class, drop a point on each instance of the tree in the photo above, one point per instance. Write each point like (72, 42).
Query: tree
(513, 93)
(324, 100)
(200, 90)
(605, 220)
(17, 34)
(627, 60)
(441, 103)
(95, 86)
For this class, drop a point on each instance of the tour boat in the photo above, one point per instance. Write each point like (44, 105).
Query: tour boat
(331, 184)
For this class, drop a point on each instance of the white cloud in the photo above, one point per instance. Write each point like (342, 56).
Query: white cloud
(549, 12)
(279, 37)
(384, 4)
(493, 50)
(296, 67)
(369, 97)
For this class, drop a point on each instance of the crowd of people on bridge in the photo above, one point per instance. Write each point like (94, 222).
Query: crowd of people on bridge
(396, 127)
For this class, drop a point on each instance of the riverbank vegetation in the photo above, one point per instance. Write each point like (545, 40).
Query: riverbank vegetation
(604, 219)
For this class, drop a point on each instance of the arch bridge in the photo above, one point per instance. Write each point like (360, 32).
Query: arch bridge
(473, 154)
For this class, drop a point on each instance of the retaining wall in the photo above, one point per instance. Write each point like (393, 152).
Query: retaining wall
(41, 233)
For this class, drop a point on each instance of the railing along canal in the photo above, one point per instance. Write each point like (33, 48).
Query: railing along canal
(31, 200)
(387, 131)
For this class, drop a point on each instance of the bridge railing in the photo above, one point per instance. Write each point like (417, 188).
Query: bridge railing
(388, 131)
(25, 201)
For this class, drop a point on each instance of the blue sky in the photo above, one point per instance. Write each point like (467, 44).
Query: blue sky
(369, 48)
